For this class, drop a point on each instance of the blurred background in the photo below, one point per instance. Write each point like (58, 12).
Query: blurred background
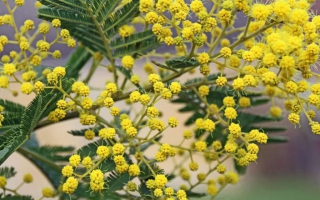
(288, 171)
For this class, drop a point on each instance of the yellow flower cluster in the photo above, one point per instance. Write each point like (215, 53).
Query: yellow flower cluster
(96, 180)
(273, 54)
(23, 62)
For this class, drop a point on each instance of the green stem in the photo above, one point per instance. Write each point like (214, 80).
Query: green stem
(13, 191)
(247, 27)
(222, 34)
(180, 164)
(242, 39)
(220, 189)
(208, 173)
(28, 153)
(123, 83)
(19, 186)
(93, 68)
(215, 44)
(100, 119)
(191, 51)
(235, 30)
(92, 168)
(146, 162)
(104, 40)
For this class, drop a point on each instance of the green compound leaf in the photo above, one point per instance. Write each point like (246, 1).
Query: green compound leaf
(194, 81)
(146, 145)
(10, 141)
(76, 62)
(117, 181)
(134, 44)
(193, 118)
(90, 149)
(10, 123)
(12, 115)
(195, 194)
(187, 108)
(36, 109)
(138, 48)
(128, 75)
(17, 198)
(71, 5)
(107, 165)
(164, 67)
(39, 69)
(240, 169)
(11, 108)
(94, 23)
(277, 139)
(258, 102)
(39, 108)
(144, 191)
(7, 172)
(82, 131)
(220, 133)
(146, 172)
(82, 192)
(249, 118)
(46, 157)
(270, 129)
(120, 17)
(248, 121)
(182, 62)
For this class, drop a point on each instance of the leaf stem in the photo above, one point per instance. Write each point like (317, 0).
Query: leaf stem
(93, 68)
(29, 154)
(191, 51)
(104, 40)
(146, 162)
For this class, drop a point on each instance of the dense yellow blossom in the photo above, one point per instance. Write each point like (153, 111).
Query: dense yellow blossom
(274, 56)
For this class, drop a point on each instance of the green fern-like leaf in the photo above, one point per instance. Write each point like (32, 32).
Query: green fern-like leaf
(39, 69)
(147, 174)
(210, 77)
(76, 62)
(144, 191)
(82, 131)
(90, 149)
(7, 172)
(182, 62)
(71, 5)
(17, 198)
(82, 193)
(121, 17)
(12, 114)
(128, 75)
(67, 16)
(240, 169)
(117, 181)
(132, 39)
(146, 145)
(141, 47)
(39, 108)
(195, 194)
(277, 139)
(95, 23)
(36, 108)
(46, 157)
(11, 108)
(10, 141)
(10, 123)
